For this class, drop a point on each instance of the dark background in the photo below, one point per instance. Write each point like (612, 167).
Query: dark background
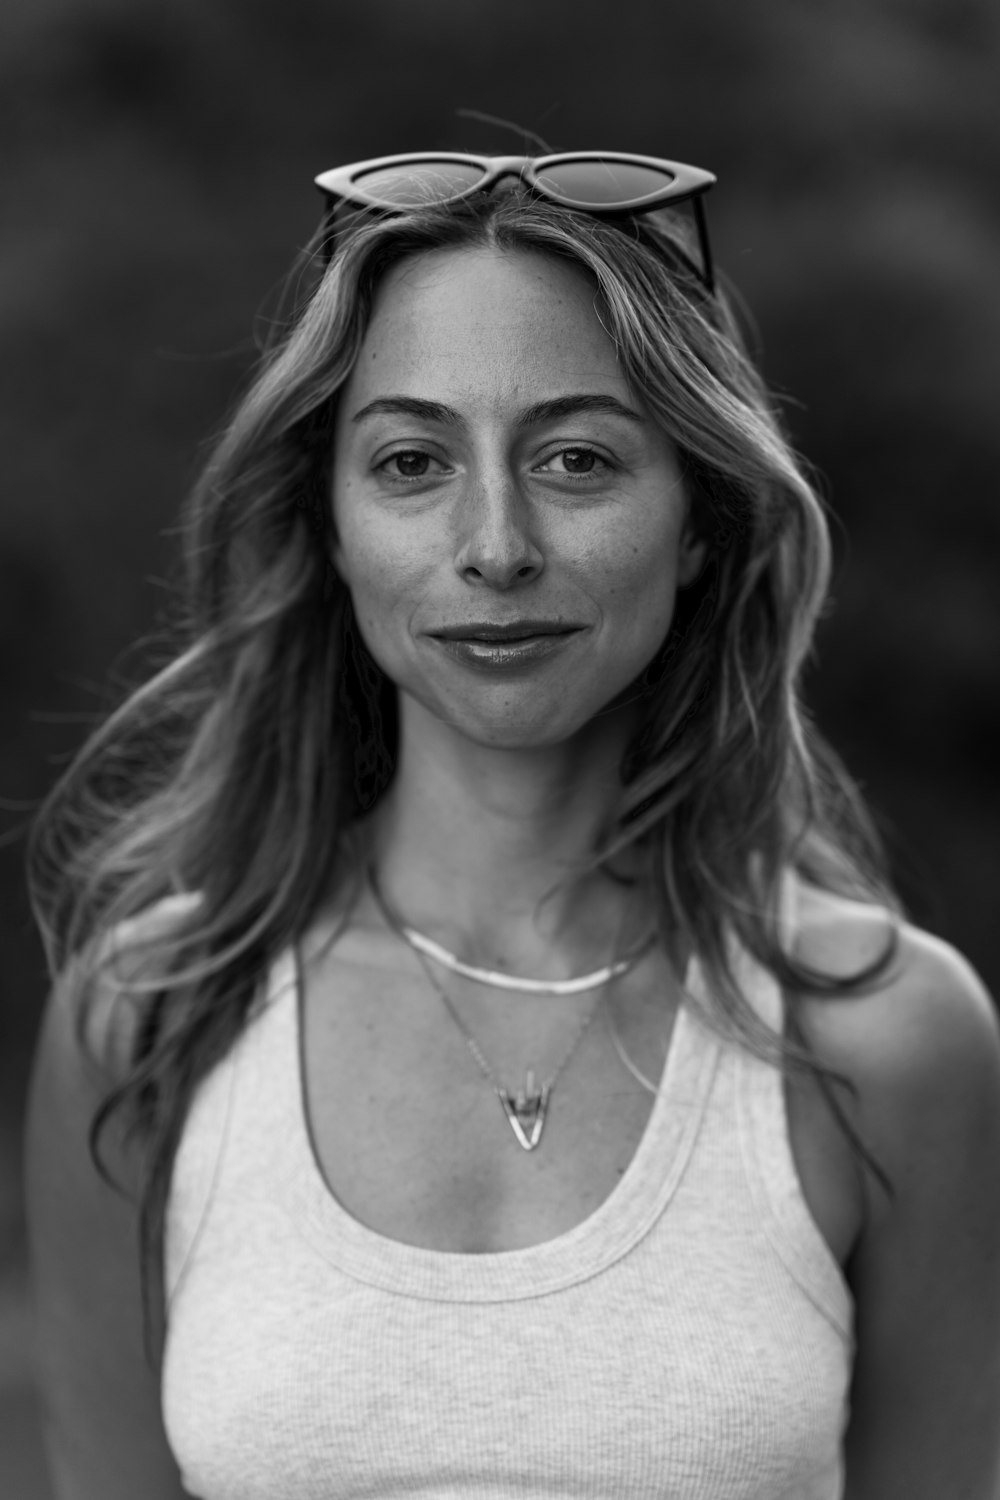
(157, 166)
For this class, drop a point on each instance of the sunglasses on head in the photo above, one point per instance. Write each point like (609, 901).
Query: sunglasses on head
(606, 184)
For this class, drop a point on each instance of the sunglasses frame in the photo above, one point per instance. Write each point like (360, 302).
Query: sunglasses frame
(338, 185)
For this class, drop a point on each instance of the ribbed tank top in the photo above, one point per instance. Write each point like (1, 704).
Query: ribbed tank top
(691, 1338)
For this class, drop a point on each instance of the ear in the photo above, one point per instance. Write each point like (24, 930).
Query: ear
(691, 553)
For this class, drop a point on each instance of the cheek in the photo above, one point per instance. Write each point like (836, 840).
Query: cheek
(345, 532)
(360, 550)
(386, 576)
(639, 578)
(379, 554)
(373, 575)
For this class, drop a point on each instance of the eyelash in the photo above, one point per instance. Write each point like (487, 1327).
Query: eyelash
(382, 468)
(604, 465)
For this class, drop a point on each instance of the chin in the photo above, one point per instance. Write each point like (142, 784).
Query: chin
(528, 731)
(505, 735)
(506, 717)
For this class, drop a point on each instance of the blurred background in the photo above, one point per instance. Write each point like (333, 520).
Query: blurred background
(158, 158)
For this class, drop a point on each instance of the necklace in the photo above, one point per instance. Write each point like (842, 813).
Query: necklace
(501, 981)
(498, 980)
(526, 1110)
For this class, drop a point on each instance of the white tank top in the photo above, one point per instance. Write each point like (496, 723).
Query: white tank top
(690, 1339)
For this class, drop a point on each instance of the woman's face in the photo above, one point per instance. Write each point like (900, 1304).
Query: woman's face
(495, 475)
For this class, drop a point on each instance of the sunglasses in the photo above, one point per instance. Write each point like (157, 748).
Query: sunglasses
(606, 184)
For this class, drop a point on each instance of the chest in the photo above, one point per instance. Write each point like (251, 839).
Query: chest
(649, 1380)
(412, 1140)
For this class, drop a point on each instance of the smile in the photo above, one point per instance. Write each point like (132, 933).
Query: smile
(506, 648)
(512, 630)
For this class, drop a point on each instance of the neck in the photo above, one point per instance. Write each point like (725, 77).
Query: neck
(483, 849)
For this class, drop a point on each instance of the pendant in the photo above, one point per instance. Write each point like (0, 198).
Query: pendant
(526, 1113)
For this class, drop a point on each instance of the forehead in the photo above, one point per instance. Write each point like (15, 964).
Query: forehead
(481, 320)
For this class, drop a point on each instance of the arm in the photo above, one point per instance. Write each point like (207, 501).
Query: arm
(925, 1399)
(101, 1400)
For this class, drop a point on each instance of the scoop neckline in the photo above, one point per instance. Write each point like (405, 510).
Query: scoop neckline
(606, 1234)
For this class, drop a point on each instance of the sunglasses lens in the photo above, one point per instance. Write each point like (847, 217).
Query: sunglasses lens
(604, 184)
(594, 183)
(412, 184)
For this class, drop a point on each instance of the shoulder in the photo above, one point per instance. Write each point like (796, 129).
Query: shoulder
(920, 1046)
(115, 976)
(100, 1391)
(928, 998)
(921, 1049)
(94, 1011)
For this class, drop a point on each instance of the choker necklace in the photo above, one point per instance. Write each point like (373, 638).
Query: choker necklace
(526, 1110)
(425, 945)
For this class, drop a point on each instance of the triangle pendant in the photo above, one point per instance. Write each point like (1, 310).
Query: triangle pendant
(526, 1113)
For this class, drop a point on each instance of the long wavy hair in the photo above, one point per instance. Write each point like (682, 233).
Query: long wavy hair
(235, 775)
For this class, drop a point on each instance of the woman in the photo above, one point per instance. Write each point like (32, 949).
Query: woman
(483, 977)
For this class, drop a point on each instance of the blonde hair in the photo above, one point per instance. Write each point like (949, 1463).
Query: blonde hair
(238, 771)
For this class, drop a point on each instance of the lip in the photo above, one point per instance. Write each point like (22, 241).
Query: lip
(511, 630)
(507, 653)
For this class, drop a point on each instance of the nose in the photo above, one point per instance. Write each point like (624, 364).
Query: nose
(495, 545)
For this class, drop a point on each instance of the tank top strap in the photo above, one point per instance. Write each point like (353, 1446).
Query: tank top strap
(766, 1144)
(236, 1126)
(195, 1171)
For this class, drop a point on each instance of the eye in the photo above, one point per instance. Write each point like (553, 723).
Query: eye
(408, 464)
(583, 463)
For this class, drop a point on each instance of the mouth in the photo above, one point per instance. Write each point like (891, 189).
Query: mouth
(514, 630)
(518, 646)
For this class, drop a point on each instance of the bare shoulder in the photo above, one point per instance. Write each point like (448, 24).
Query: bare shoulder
(115, 1008)
(925, 1034)
(922, 1050)
(100, 1392)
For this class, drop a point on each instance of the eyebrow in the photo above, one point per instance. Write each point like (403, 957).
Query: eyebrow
(530, 416)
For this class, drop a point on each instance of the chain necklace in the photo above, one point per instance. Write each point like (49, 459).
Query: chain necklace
(525, 1111)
